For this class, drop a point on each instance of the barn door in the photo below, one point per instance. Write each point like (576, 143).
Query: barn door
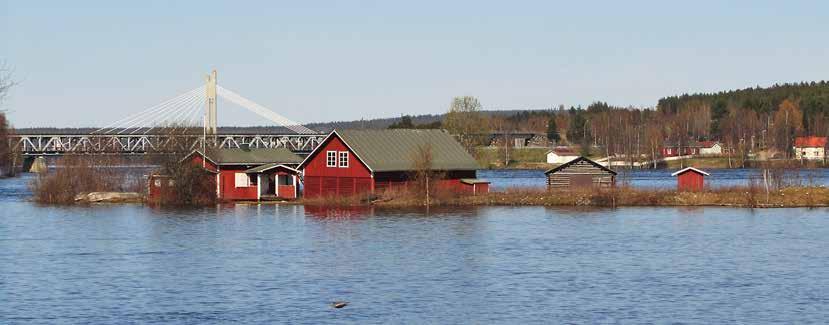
(580, 181)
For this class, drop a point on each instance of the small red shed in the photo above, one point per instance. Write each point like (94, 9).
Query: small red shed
(690, 179)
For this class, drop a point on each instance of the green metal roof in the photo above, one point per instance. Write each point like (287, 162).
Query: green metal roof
(253, 156)
(394, 150)
(267, 167)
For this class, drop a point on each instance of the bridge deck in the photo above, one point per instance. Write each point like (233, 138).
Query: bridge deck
(46, 144)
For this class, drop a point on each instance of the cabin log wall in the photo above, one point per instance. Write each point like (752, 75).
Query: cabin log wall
(562, 178)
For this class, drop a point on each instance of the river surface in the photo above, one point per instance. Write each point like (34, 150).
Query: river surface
(124, 264)
(661, 178)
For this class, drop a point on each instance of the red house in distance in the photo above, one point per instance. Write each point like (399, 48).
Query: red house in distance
(690, 179)
(352, 162)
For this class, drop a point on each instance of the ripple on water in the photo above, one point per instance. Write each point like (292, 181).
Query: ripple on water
(134, 264)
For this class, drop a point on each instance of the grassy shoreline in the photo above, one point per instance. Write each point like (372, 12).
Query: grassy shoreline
(744, 197)
(738, 197)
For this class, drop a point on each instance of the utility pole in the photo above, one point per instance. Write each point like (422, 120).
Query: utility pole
(787, 134)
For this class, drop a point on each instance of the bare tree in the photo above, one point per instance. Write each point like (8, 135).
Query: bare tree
(6, 82)
(192, 184)
(788, 122)
(465, 121)
(422, 159)
(8, 157)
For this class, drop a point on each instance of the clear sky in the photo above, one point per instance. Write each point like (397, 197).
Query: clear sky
(87, 63)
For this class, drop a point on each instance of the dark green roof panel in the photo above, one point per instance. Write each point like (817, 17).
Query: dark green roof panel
(253, 156)
(394, 150)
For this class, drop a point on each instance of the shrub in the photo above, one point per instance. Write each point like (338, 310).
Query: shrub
(74, 175)
(191, 184)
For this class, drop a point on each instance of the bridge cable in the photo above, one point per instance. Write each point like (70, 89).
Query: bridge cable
(158, 116)
(171, 117)
(148, 114)
(184, 115)
(262, 111)
(161, 116)
(195, 108)
(114, 125)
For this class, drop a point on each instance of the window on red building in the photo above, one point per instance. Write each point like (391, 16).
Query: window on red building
(330, 159)
(344, 159)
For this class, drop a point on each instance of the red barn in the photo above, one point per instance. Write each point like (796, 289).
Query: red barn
(690, 179)
(352, 162)
(244, 174)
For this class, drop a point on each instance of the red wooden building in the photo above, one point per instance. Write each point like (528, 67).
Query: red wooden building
(353, 162)
(692, 148)
(690, 179)
(243, 174)
(810, 148)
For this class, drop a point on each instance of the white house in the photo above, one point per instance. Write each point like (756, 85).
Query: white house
(810, 148)
(561, 155)
(710, 148)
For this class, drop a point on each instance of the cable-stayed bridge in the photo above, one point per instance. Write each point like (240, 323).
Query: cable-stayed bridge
(182, 123)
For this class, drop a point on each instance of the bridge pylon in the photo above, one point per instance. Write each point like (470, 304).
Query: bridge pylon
(210, 111)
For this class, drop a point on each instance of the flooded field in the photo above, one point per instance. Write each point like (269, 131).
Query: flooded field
(285, 264)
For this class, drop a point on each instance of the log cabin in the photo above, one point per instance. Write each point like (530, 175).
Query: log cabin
(580, 173)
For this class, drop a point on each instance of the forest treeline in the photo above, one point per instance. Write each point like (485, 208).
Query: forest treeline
(746, 121)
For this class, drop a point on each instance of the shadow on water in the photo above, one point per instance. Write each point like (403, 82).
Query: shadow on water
(355, 212)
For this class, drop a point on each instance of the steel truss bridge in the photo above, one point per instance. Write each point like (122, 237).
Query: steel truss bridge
(180, 124)
(52, 144)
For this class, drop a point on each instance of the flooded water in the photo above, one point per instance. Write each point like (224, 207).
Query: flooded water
(122, 264)
(658, 178)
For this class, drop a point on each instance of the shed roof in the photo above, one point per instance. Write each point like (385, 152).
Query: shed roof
(690, 169)
(267, 167)
(693, 144)
(471, 181)
(395, 149)
(227, 156)
(708, 144)
(580, 158)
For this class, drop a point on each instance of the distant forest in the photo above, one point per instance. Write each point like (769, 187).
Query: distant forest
(812, 99)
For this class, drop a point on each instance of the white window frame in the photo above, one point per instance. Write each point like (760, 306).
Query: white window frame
(330, 158)
(242, 180)
(342, 159)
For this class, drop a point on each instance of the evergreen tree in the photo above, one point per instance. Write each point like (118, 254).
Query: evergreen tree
(404, 123)
(552, 130)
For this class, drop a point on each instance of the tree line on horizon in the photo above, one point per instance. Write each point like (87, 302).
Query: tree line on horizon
(745, 121)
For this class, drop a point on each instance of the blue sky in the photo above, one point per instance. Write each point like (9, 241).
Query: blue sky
(87, 63)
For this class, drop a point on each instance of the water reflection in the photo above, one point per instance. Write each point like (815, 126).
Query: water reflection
(275, 263)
